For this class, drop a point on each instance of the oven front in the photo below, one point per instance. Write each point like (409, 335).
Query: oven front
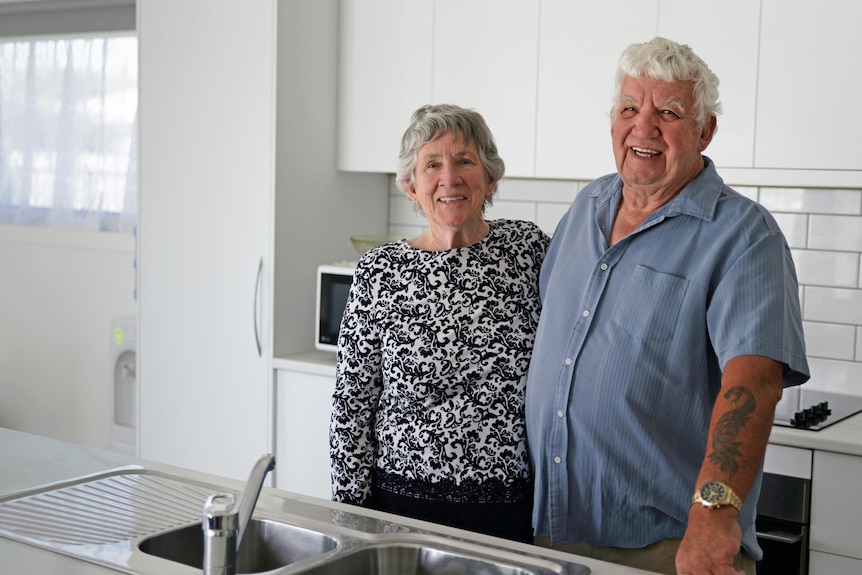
(782, 524)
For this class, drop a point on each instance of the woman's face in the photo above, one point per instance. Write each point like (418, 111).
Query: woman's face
(451, 184)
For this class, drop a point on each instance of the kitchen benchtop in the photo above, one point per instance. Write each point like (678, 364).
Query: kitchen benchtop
(842, 437)
(30, 462)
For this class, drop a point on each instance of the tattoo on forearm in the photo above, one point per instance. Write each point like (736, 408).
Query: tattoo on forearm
(725, 448)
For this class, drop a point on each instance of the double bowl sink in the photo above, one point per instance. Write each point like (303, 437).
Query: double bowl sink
(143, 521)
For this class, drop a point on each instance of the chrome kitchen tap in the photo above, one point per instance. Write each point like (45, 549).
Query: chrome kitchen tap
(224, 526)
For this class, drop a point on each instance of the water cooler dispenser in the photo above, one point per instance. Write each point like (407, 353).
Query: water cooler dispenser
(122, 367)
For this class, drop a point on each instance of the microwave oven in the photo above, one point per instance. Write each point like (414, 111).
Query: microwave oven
(333, 286)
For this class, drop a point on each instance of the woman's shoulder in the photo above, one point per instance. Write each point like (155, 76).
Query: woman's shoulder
(520, 230)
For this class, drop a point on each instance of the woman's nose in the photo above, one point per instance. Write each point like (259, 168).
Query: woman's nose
(449, 175)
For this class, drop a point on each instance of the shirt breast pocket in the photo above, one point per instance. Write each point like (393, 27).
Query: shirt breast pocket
(651, 304)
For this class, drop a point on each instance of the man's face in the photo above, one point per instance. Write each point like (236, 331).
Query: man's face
(656, 139)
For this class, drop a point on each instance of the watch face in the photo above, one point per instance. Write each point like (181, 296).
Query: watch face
(713, 492)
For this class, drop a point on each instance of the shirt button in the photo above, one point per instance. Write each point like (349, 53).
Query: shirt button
(604, 266)
(586, 313)
(568, 361)
(557, 460)
(560, 413)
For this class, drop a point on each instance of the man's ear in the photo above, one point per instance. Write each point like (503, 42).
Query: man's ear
(707, 133)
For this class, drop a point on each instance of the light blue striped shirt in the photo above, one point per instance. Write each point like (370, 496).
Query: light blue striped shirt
(629, 352)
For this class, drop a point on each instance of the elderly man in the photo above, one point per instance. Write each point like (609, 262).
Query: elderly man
(670, 324)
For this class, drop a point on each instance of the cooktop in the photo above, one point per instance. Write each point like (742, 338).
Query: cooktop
(813, 409)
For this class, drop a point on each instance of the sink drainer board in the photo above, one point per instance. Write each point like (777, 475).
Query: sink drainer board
(117, 506)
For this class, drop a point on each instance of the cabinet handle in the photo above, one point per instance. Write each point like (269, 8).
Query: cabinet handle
(781, 537)
(254, 312)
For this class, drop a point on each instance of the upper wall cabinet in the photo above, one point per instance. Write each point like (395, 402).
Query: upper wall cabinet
(385, 61)
(725, 35)
(809, 70)
(579, 47)
(542, 74)
(486, 58)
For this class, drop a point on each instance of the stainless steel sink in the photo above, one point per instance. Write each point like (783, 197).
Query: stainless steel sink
(407, 558)
(267, 545)
(145, 521)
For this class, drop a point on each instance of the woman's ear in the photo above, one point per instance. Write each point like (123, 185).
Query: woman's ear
(409, 189)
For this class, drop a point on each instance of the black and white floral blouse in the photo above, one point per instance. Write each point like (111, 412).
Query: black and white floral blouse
(432, 359)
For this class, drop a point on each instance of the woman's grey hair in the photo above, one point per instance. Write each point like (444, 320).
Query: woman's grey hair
(665, 60)
(430, 122)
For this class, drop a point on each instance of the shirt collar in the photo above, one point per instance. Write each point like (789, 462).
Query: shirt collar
(698, 198)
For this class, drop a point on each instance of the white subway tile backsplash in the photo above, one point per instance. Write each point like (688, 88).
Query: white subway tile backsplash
(835, 232)
(822, 268)
(833, 305)
(748, 191)
(511, 210)
(794, 227)
(401, 212)
(836, 376)
(549, 215)
(405, 231)
(830, 341)
(563, 191)
(812, 200)
(823, 228)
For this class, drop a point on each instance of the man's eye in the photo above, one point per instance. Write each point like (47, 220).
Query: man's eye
(627, 112)
(669, 114)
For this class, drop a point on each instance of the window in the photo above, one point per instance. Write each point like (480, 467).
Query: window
(68, 132)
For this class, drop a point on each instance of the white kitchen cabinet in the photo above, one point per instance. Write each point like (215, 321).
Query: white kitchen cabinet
(828, 564)
(807, 74)
(304, 403)
(207, 185)
(734, 61)
(385, 59)
(240, 201)
(579, 47)
(836, 511)
(486, 58)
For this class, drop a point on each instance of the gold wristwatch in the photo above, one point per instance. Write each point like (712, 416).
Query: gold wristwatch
(714, 495)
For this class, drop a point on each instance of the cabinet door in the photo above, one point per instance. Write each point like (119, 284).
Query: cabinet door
(207, 120)
(384, 76)
(304, 405)
(580, 46)
(836, 509)
(808, 74)
(485, 57)
(734, 61)
(827, 564)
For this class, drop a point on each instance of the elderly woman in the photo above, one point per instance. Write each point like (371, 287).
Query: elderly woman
(428, 410)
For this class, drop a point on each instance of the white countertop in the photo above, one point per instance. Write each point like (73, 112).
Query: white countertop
(842, 437)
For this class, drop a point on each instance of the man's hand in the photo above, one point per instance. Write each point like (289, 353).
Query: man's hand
(711, 542)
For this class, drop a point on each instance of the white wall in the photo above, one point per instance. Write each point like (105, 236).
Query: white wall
(307, 182)
(59, 292)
